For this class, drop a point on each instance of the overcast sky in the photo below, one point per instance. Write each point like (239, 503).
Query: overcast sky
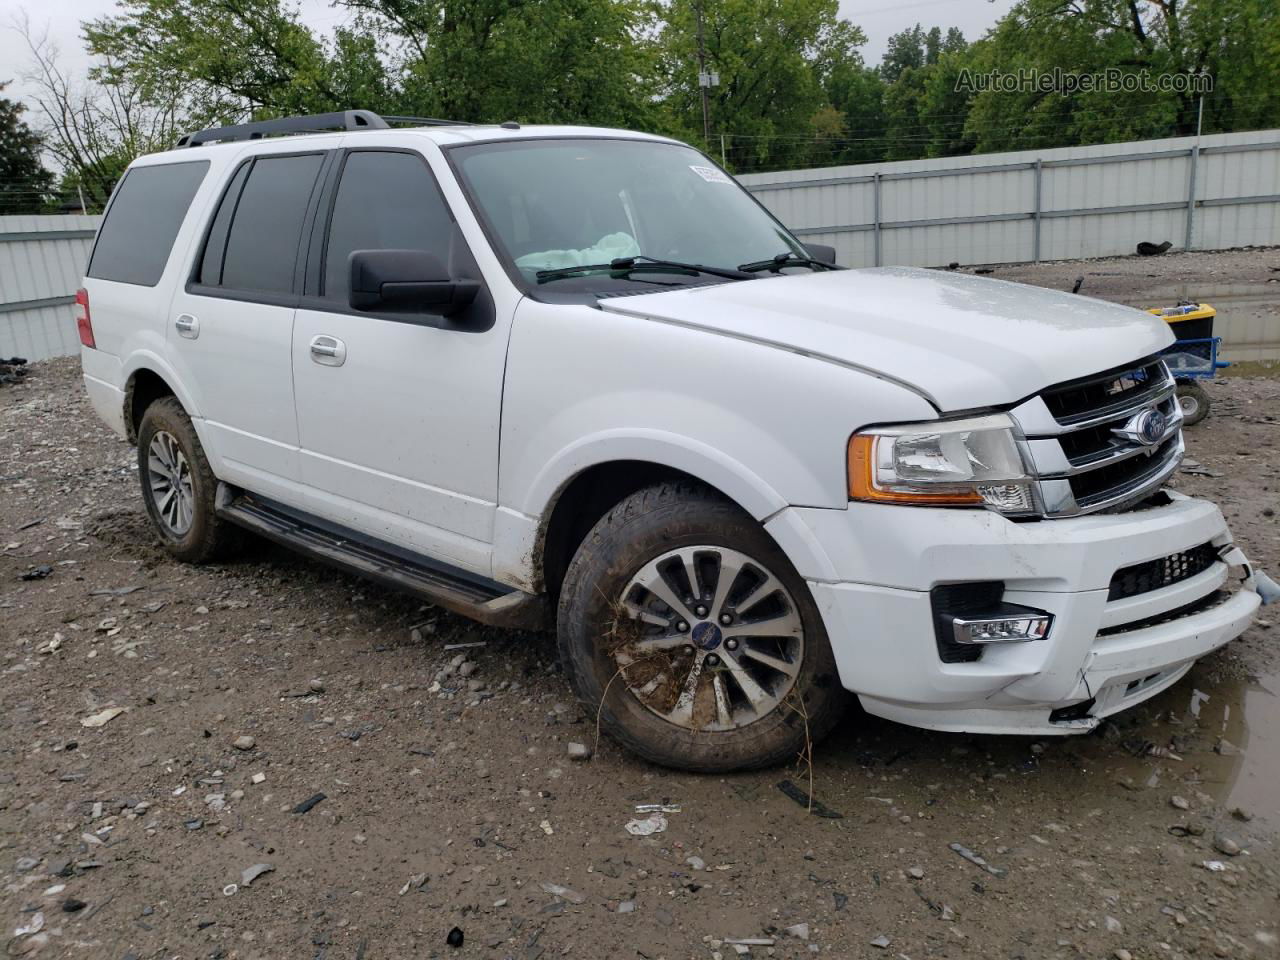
(880, 19)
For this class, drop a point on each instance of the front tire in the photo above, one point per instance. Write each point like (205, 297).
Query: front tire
(178, 486)
(686, 627)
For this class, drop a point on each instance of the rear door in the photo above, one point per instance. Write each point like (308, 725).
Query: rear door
(398, 430)
(231, 326)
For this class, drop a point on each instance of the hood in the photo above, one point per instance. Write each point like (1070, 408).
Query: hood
(961, 341)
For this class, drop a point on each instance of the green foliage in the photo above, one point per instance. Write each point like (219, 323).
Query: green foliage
(774, 60)
(1226, 40)
(24, 182)
(793, 89)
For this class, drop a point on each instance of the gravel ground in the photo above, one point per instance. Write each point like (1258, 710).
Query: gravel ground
(1146, 280)
(237, 692)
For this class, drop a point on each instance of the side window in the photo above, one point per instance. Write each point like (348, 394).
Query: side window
(215, 247)
(385, 201)
(144, 218)
(261, 246)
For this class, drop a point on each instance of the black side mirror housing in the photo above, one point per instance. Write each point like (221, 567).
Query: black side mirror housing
(407, 280)
(821, 252)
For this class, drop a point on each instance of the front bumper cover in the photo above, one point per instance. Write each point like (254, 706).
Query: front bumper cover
(881, 627)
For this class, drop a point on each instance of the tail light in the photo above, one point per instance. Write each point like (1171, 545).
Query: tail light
(83, 323)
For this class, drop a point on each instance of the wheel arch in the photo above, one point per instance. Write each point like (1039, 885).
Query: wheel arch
(587, 495)
(147, 379)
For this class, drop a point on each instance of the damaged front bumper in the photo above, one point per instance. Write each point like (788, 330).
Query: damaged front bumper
(1104, 652)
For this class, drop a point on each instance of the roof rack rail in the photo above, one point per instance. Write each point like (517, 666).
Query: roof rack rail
(428, 121)
(312, 123)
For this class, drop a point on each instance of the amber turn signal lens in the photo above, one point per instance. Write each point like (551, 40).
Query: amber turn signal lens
(862, 480)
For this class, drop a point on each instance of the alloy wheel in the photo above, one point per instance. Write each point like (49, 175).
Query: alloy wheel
(708, 638)
(169, 478)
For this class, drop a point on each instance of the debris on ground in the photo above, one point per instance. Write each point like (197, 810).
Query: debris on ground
(1226, 844)
(657, 808)
(12, 370)
(310, 802)
(814, 806)
(977, 861)
(647, 826)
(564, 893)
(250, 874)
(103, 717)
(415, 882)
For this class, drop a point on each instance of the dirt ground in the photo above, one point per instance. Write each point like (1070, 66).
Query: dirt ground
(1146, 280)
(450, 800)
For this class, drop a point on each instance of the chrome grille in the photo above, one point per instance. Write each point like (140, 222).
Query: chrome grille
(1080, 439)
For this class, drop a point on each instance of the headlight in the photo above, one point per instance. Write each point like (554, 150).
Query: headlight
(973, 462)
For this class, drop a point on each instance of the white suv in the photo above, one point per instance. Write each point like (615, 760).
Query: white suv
(577, 377)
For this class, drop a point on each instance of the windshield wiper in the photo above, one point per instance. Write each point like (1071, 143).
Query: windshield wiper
(785, 260)
(639, 262)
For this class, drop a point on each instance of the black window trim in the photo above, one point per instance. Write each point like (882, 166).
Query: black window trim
(480, 317)
(267, 298)
(111, 201)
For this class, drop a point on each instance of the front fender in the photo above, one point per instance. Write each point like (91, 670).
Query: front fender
(710, 465)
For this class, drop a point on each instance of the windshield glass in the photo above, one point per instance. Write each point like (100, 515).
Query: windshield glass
(557, 204)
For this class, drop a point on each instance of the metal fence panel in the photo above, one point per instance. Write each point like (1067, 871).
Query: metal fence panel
(42, 259)
(1068, 203)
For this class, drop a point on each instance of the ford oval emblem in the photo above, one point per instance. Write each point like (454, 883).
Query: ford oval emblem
(1146, 428)
(1151, 427)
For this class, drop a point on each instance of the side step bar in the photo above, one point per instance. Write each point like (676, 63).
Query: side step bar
(487, 601)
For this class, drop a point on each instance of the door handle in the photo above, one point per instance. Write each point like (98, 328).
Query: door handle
(328, 351)
(187, 326)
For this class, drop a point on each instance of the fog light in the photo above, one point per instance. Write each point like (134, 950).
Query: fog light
(1006, 623)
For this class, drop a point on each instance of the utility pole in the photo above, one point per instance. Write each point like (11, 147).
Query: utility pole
(704, 78)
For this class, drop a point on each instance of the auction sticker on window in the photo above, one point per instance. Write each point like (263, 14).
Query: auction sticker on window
(710, 174)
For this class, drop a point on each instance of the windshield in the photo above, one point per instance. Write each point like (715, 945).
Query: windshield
(558, 204)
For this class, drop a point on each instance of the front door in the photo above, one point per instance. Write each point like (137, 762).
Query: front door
(231, 327)
(398, 415)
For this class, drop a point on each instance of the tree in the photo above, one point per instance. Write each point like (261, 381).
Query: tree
(924, 112)
(858, 93)
(773, 59)
(470, 60)
(905, 51)
(93, 127)
(25, 184)
(1224, 40)
(236, 58)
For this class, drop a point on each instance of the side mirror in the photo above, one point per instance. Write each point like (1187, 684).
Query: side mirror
(401, 280)
(821, 252)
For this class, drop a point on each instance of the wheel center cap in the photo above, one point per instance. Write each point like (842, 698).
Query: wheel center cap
(707, 635)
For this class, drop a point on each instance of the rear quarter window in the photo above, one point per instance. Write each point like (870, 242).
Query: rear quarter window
(142, 221)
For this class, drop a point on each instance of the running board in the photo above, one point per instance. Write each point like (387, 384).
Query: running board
(487, 601)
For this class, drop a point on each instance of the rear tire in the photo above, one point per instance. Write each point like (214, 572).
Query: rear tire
(1194, 401)
(178, 486)
(677, 686)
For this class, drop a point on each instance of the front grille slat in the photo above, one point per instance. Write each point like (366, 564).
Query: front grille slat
(1083, 442)
(1081, 399)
